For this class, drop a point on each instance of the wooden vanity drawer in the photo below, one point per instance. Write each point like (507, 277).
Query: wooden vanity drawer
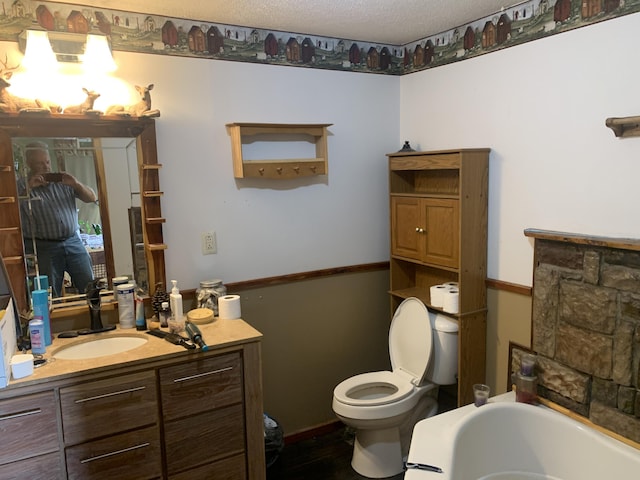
(44, 467)
(131, 455)
(201, 385)
(204, 438)
(232, 468)
(28, 426)
(105, 407)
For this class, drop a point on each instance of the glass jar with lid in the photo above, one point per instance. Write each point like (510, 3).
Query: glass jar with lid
(208, 292)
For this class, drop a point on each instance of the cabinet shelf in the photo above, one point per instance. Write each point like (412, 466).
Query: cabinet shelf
(432, 195)
(13, 260)
(413, 261)
(281, 168)
(154, 247)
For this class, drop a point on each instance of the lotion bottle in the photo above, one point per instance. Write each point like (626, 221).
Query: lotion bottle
(175, 301)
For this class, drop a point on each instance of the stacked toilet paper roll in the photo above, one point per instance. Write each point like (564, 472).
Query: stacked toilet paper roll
(229, 307)
(445, 296)
(451, 300)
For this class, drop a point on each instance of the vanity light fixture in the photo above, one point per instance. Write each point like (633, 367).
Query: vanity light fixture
(37, 51)
(92, 50)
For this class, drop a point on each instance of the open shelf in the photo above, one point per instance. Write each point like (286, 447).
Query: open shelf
(281, 168)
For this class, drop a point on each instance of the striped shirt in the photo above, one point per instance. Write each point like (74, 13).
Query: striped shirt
(51, 214)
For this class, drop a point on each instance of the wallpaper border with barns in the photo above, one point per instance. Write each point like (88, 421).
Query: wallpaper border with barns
(152, 34)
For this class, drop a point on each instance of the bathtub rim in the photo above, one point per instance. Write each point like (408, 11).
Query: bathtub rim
(433, 438)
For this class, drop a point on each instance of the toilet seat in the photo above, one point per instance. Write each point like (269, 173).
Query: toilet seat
(373, 388)
(410, 345)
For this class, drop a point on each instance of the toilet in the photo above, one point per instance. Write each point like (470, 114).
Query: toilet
(383, 407)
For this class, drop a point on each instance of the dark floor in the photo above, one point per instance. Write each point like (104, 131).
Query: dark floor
(327, 456)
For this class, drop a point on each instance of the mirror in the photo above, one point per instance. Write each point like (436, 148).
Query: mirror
(114, 156)
(108, 228)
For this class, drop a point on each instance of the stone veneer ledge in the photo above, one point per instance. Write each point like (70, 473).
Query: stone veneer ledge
(586, 326)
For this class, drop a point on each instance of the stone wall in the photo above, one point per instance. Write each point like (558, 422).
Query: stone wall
(586, 328)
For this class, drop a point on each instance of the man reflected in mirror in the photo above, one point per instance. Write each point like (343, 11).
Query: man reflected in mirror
(50, 220)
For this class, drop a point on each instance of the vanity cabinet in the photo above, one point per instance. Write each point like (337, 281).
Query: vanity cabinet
(110, 428)
(439, 211)
(171, 415)
(203, 418)
(29, 433)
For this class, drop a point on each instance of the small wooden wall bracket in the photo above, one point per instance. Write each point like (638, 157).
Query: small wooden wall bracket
(624, 126)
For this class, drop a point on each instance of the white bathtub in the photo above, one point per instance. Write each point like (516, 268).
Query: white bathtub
(504, 440)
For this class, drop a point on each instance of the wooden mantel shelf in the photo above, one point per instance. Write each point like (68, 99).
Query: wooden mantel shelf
(624, 126)
(581, 239)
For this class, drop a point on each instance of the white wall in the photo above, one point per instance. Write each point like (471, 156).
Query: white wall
(266, 228)
(541, 108)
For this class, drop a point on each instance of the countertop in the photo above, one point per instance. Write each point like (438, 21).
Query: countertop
(217, 335)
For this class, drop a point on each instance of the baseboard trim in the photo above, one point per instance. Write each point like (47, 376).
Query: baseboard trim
(316, 431)
(508, 287)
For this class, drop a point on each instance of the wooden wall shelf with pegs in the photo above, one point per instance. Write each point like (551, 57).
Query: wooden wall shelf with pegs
(245, 133)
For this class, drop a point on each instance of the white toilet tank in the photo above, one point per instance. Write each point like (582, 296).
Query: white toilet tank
(443, 369)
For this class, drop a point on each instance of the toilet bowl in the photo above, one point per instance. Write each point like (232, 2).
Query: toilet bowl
(384, 406)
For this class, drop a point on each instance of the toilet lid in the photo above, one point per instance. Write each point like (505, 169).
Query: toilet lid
(410, 340)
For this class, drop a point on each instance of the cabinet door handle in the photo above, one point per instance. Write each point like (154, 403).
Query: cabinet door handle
(11, 416)
(419, 230)
(117, 452)
(106, 395)
(191, 377)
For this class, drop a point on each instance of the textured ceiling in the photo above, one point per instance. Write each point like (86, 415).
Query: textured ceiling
(393, 22)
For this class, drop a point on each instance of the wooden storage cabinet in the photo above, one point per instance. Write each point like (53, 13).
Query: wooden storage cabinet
(203, 413)
(438, 208)
(29, 433)
(425, 229)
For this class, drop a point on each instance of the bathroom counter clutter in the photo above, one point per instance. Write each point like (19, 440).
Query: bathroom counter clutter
(507, 439)
(218, 334)
(154, 410)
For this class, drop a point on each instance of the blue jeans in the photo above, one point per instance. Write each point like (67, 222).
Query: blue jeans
(56, 257)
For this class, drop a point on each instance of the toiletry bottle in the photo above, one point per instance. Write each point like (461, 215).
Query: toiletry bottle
(175, 300)
(176, 320)
(164, 315)
(141, 323)
(40, 300)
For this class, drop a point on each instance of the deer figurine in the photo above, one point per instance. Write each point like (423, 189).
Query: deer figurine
(141, 108)
(85, 106)
(10, 103)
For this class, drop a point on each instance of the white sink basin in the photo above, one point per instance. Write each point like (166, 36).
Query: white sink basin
(99, 347)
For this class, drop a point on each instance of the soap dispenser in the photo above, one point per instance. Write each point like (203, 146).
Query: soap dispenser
(176, 322)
